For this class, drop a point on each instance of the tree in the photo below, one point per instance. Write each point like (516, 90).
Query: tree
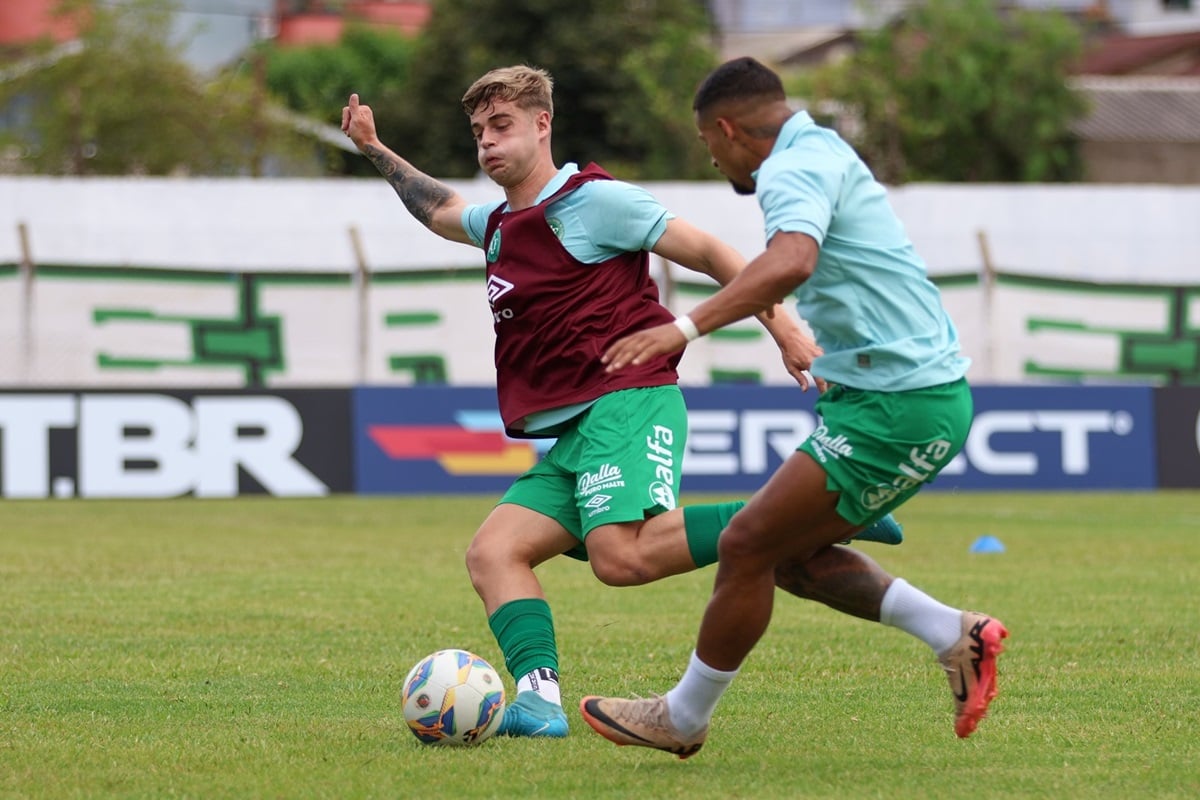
(125, 103)
(958, 91)
(316, 81)
(624, 72)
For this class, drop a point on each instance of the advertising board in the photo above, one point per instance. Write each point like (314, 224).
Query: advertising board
(170, 444)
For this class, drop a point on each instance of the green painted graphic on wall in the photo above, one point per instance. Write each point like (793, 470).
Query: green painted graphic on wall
(120, 326)
(424, 368)
(249, 340)
(1163, 347)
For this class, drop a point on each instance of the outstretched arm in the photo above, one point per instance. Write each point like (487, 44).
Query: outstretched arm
(691, 247)
(431, 202)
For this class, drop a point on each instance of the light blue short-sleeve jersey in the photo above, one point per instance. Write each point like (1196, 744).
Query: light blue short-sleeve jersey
(595, 222)
(870, 302)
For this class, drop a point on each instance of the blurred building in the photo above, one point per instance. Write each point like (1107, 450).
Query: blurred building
(1140, 73)
(24, 21)
(793, 33)
(1144, 98)
(215, 33)
(212, 34)
(315, 21)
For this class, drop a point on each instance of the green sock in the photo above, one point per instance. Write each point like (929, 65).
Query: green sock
(524, 629)
(703, 526)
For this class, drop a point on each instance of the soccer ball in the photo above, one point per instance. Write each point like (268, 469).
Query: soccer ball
(453, 697)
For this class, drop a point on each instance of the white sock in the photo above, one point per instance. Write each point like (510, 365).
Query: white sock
(912, 611)
(692, 702)
(544, 682)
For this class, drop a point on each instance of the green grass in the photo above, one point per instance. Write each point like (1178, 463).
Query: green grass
(255, 647)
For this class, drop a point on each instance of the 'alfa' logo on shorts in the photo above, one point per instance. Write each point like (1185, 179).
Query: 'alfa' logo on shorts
(922, 465)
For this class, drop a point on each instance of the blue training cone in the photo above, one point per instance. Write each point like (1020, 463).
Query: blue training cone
(987, 544)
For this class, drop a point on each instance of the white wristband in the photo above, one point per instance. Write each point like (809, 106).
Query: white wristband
(687, 327)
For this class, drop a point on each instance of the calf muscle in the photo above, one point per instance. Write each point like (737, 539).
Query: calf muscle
(840, 577)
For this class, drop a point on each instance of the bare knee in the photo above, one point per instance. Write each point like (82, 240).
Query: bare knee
(482, 558)
(740, 543)
(493, 556)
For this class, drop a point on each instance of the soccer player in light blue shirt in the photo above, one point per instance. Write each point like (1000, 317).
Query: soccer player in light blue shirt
(899, 410)
(869, 301)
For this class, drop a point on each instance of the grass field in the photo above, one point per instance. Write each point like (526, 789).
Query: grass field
(254, 648)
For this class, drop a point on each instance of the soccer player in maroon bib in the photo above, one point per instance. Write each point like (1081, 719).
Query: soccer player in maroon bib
(567, 254)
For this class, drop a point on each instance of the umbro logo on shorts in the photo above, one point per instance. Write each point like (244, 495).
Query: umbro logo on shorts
(598, 501)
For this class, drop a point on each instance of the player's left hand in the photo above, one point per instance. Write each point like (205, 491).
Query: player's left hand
(640, 347)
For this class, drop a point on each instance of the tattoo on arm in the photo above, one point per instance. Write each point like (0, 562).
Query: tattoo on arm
(421, 194)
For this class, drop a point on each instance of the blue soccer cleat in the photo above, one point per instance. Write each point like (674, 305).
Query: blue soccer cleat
(532, 715)
(885, 530)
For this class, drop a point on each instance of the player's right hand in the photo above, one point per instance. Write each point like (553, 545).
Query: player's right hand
(640, 347)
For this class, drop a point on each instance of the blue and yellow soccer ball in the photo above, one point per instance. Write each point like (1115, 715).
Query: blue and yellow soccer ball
(453, 697)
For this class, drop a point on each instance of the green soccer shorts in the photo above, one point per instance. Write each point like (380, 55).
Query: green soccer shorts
(618, 461)
(879, 448)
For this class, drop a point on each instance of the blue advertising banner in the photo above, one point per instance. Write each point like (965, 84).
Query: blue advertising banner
(1062, 437)
(1021, 438)
(442, 439)
(431, 439)
(739, 435)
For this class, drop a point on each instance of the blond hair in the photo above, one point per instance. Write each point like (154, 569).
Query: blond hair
(528, 88)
